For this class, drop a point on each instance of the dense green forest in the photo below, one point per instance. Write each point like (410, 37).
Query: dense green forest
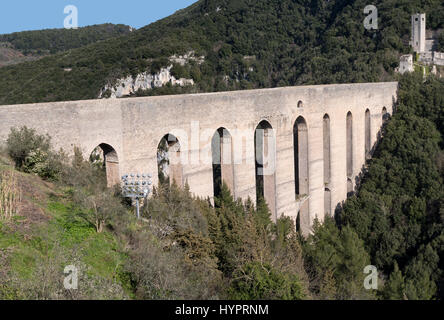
(255, 43)
(52, 41)
(399, 210)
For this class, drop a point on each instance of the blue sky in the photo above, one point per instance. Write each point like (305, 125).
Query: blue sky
(20, 15)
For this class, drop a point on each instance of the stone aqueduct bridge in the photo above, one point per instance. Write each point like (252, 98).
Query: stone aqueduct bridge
(316, 137)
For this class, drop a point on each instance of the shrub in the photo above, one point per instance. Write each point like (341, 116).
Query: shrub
(173, 257)
(179, 71)
(32, 153)
(90, 191)
(47, 165)
(162, 270)
(84, 174)
(21, 142)
(258, 281)
(99, 207)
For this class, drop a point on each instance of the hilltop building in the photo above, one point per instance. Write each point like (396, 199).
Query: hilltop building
(424, 44)
(418, 40)
(406, 64)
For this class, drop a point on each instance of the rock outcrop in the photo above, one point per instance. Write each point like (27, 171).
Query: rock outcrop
(143, 81)
(146, 80)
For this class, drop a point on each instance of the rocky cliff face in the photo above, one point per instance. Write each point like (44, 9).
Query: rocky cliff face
(146, 80)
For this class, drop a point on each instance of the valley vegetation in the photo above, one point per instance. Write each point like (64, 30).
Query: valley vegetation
(185, 248)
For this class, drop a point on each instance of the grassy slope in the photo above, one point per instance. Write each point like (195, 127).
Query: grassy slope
(47, 227)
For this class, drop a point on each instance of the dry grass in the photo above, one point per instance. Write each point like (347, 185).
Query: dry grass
(33, 195)
(10, 195)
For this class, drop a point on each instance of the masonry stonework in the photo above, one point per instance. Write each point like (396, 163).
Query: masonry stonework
(135, 126)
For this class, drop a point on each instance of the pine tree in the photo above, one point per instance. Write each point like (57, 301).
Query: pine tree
(340, 252)
(327, 289)
(394, 289)
(263, 215)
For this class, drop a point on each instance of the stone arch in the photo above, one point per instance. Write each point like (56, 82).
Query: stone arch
(265, 164)
(300, 104)
(222, 159)
(385, 115)
(169, 166)
(301, 174)
(368, 138)
(350, 189)
(327, 163)
(107, 156)
(349, 150)
(298, 221)
(327, 201)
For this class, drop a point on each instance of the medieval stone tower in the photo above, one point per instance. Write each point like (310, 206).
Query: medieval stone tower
(418, 41)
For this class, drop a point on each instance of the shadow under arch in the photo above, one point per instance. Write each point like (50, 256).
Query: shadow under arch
(327, 163)
(301, 171)
(385, 116)
(107, 156)
(222, 160)
(368, 137)
(265, 165)
(349, 152)
(169, 166)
